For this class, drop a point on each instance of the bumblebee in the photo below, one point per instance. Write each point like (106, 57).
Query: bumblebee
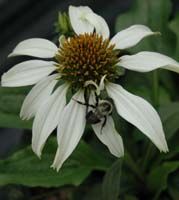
(98, 112)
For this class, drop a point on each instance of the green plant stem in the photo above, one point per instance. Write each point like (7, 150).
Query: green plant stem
(155, 100)
(155, 89)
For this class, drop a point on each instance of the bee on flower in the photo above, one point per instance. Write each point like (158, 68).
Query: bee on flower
(87, 63)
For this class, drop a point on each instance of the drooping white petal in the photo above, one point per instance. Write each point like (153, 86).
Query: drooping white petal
(36, 47)
(78, 19)
(140, 113)
(131, 36)
(148, 61)
(99, 24)
(47, 118)
(70, 129)
(27, 73)
(110, 137)
(37, 96)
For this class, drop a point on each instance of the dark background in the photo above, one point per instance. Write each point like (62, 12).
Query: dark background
(22, 19)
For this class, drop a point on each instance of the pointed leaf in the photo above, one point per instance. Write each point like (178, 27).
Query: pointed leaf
(170, 117)
(25, 168)
(158, 177)
(111, 182)
(11, 100)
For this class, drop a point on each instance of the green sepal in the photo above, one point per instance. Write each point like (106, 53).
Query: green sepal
(63, 25)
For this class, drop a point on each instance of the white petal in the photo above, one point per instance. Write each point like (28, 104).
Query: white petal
(47, 118)
(99, 23)
(110, 137)
(37, 96)
(70, 130)
(148, 61)
(36, 47)
(78, 19)
(101, 84)
(140, 113)
(131, 36)
(27, 73)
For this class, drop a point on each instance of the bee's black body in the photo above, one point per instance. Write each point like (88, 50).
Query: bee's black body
(92, 118)
(100, 111)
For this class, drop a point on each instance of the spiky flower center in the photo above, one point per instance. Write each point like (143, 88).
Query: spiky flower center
(86, 57)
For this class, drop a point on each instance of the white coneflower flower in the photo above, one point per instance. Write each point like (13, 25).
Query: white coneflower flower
(88, 56)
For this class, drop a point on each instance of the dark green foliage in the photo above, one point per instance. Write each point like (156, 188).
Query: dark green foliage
(11, 100)
(146, 173)
(25, 168)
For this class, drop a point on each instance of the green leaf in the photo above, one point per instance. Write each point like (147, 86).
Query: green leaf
(140, 84)
(154, 14)
(174, 185)
(166, 80)
(174, 25)
(111, 182)
(11, 100)
(170, 117)
(25, 168)
(158, 177)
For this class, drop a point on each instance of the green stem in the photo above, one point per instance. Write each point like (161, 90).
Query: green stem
(155, 89)
(155, 100)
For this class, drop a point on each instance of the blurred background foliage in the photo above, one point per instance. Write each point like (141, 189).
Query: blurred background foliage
(91, 173)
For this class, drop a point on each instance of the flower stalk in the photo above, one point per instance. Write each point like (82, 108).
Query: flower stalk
(155, 88)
